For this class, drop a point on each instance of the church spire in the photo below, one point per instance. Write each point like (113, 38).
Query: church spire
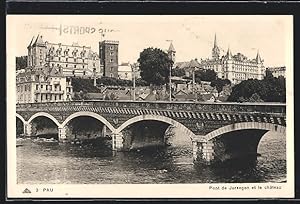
(216, 49)
(215, 41)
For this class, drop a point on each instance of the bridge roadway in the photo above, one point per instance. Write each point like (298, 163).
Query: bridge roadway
(215, 129)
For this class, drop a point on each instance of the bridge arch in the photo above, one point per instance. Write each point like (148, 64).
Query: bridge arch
(45, 115)
(21, 118)
(243, 126)
(164, 119)
(90, 114)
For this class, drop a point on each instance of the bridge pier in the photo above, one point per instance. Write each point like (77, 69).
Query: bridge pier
(28, 129)
(62, 134)
(203, 152)
(117, 141)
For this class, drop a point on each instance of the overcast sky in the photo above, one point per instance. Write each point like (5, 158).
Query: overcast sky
(192, 36)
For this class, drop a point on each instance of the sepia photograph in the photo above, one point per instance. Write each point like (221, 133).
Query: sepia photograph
(198, 103)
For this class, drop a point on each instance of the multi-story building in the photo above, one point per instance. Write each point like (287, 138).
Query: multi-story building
(277, 71)
(74, 60)
(43, 85)
(108, 52)
(236, 67)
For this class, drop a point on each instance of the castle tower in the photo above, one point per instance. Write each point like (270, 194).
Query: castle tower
(216, 49)
(29, 55)
(229, 66)
(172, 52)
(37, 52)
(260, 66)
(108, 53)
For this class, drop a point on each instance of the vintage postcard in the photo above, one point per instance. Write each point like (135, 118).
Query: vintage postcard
(160, 106)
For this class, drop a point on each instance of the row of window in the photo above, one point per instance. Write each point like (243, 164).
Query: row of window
(47, 97)
(56, 87)
(74, 65)
(25, 87)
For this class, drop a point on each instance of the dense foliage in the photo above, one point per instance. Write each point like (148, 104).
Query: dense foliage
(205, 75)
(178, 72)
(113, 81)
(155, 66)
(85, 85)
(220, 83)
(270, 89)
(21, 62)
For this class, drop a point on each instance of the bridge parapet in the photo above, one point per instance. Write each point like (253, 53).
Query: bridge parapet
(274, 108)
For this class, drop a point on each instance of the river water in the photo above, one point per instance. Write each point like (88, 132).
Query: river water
(41, 162)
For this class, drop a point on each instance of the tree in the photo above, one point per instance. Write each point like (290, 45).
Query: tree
(178, 72)
(270, 89)
(205, 75)
(21, 62)
(220, 83)
(155, 66)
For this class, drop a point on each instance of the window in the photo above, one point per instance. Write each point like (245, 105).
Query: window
(94, 64)
(74, 65)
(111, 53)
(83, 72)
(66, 59)
(66, 65)
(74, 59)
(83, 60)
(83, 66)
(41, 86)
(111, 47)
(111, 60)
(111, 75)
(59, 59)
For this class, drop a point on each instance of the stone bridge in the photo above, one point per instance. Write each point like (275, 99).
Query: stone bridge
(218, 131)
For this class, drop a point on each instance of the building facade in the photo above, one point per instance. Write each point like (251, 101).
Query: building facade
(74, 60)
(108, 52)
(236, 67)
(125, 71)
(43, 85)
(277, 71)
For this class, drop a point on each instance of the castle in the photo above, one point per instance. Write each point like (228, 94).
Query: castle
(236, 67)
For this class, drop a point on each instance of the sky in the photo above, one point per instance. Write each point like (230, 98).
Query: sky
(192, 36)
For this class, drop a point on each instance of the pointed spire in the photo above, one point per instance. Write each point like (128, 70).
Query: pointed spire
(171, 48)
(258, 58)
(30, 42)
(229, 55)
(215, 41)
(36, 40)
